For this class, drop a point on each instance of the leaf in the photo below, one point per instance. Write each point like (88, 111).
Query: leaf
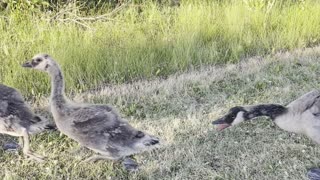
(158, 71)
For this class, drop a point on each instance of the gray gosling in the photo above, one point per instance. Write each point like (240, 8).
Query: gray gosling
(17, 119)
(301, 116)
(95, 126)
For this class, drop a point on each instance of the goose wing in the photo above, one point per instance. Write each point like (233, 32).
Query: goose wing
(306, 102)
(3, 108)
(9, 93)
(100, 121)
(315, 108)
(89, 111)
(12, 103)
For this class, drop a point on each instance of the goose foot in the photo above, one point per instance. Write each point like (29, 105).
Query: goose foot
(26, 147)
(130, 165)
(34, 156)
(11, 147)
(314, 174)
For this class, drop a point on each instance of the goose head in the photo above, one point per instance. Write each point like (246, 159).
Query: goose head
(235, 116)
(42, 62)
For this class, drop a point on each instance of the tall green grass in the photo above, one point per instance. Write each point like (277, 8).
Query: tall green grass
(143, 41)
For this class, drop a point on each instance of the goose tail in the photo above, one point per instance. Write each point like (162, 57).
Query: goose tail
(146, 142)
(152, 141)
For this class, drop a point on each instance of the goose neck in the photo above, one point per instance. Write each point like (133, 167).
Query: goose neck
(270, 110)
(57, 84)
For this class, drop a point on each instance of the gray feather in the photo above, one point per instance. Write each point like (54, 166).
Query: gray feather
(96, 126)
(18, 113)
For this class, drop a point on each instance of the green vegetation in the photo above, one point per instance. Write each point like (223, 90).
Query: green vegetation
(180, 109)
(186, 64)
(144, 40)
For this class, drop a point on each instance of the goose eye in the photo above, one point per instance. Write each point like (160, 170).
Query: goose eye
(38, 60)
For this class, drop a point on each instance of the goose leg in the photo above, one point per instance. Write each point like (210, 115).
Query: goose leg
(128, 163)
(314, 174)
(95, 158)
(21, 141)
(26, 147)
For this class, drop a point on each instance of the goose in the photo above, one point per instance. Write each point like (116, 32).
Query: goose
(17, 119)
(301, 116)
(95, 126)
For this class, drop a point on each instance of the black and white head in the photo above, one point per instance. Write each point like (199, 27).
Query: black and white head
(235, 116)
(42, 62)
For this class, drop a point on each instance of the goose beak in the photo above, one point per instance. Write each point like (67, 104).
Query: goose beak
(221, 124)
(27, 64)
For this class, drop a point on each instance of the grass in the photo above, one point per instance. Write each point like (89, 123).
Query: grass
(172, 70)
(149, 40)
(180, 109)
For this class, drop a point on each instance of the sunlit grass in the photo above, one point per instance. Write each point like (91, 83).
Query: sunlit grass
(180, 110)
(151, 40)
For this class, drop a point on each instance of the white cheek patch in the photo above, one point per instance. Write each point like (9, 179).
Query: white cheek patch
(41, 66)
(238, 119)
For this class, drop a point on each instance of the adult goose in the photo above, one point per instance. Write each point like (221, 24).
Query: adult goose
(17, 119)
(95, 126)
(300, 116)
